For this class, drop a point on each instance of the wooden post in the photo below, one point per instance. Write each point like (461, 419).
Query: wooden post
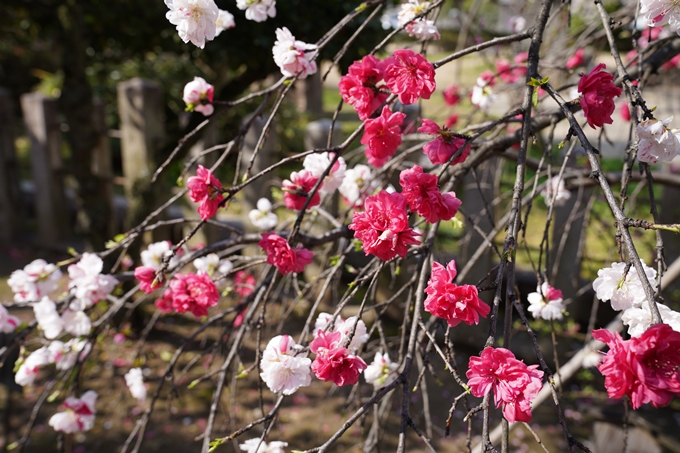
(11, 214)
(42, 127)
(102, 164)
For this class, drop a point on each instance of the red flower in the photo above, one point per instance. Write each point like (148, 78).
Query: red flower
(189, 292)
(423, 196)
(575, 60)
(645, 368)
(451, 96)
(244, 284)
(410, 76)
(205, 189)
(147, 279)
(382, 136)
(297, 189)
(598, 93)
(281, 255)
(451, 302)
(509, 73)
(451, 121)
(444, 146)
(358, 87)
(514, 383)
(333, 362)
(383, 226)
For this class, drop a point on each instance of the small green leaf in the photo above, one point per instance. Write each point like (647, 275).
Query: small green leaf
(333, 260)
(214, 444)
(534, 97)
(457, 224)
(397, 271)
(180, 182)
(71, 251)
(361, 8)
(110, 245)
(193, 383)
(53, 396)
(242, 372)
(358, 245)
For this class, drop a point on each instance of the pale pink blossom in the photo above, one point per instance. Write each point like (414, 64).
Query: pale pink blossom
(257, 10)
(357, 185)
(382, 371)
(422, 29)
(622, 293)
(661, 12)
(34, 281)
(7, 322)
(555, 187)
(153, 255)
(657, 143)
(410, 10)
(195, 20)
(78, 416)
(48, 318)
(134, 379)
(285, 368)
(345, 327)
(257, 445)
(291, 55)
(28, 369)
(212, 265)
(65, 355)
(225, 21)
(482, 95)
(263, 218)
(198, 95)
(88, 284)
(317, 164)
(546, 302)
(76, 322)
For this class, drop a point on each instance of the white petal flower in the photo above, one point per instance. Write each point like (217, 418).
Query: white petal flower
(623, 294)
(258, 446)
(198, 95)
(555, 188)
(657, 143)
(423, 29)
(65, 355)
(482, 96)
(77, 323)
(283, 370)
(48, 318)
(344, 326)
(517, 24)
(667, 11)
(27, 371)
(546, 303)
(34, 281)
(592, 359)
(7, 322)
(88, 283)
(195, 19)
(639, 319)
(291, 55)
(225, 20)
(410, 10)
(153, 256)
(134, 379)
(357, 185)
(322, 321)
(78, 416)
(263, 218)
(257, 10)
(382, 371)
(317, 164)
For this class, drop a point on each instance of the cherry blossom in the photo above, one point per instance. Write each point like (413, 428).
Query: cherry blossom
(34, 281)
(382, 371)
(285, 368)
(514, 384)
(193, 293)
(297, 189)
(212, 265)
(147, 279)
(622, 293)
(317, 164)
(263, 218)
(597, 96)
(344, 327)
(195, 19)
(423, 196)
(88, 284)
(546, 302)
(383, 227)
(78, 416)
(575, 60)
(657, 142)
(382, 136)
(517, 24)
(28, 369)
(198, 95)
(410, 10)
(48, 318)
(291, 55)
(257, 10)
(283, 256)
(509, 73)
(554, 187)
(661, 12)
(7, 322)
(451, 95)
(482, 95)
(225, 21)
(153, 255)
(445, 145)
(410, 76)
(76, 322)
(333, 362)
(134, 379)
(244, 283)
(357, 185)
(646, 368)
(639, 319)
(257, 445)
(205, 189)
(359, 87)
(65, 355)
(451, 302)
(422, 29)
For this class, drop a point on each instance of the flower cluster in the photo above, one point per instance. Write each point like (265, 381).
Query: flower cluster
(420, 28)
(546, 302)
(333, 361)
(257, 10)
(78, 416)
(423, 196)
(514, 384)
(657, 143)
(646, 368)
(597, 96)
(290, 55)
(359, 87)
(283, 256)
(451, 302)
(7, 322)
(193, 293)
(344, 327)
(316, 165)
(445, 144)
(205, 189)
(409, 75)
(63, 355)
(285, 367)
(34, 281)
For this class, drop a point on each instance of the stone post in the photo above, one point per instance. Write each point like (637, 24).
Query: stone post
(309, 94)
(265, 158)
(102, 164)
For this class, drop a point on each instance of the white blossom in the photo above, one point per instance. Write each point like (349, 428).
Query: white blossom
(423, 29)
(195, 19)
(153, 255)
(517, 24)
(134, 379)
(34, 281)
(259, 446)
(317, 164)
(283, 370)
(263, 217)
(225, 20)
(344, 326)
(592, 359)
(7, 322)
(198, 95)
(657, 142)
(76, 322)
(554, 187)
(48, 318)
(482, 95)
(29, 368)
(78, 416)
(88, 283)
(410, 10)
(623, 294)
(257, 10)
(639, 319)
(546, 302)
(382, 371)
(65, 355)
(357, 185)
(290, 55)
(667, 10)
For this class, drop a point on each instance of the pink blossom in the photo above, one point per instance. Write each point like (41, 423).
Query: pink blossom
(624, 111)
(451, 96)
(383, 226)
(382, 136)
(452, 302)
(147, 279)
(509, 73)
(575, 60)
(645, 368)
(410, 76)
(597, 96)
(283, 256)
(672, 63)
(206, 189)
(358, 88)
(244, 283)
(297, 189)
(440, 150)
(189, 292)
(451, 121)
(7, 322)
(423, 196)
(333, 362)
(78, 416)
(514, 383)
(290, 55)
(198, 95)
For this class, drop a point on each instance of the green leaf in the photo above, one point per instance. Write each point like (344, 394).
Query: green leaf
(193, 383)
(214, 444)
(358, 245)
(361, 8)
(53, 396)
(534, 97)
(333, 260)
(71, 251)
